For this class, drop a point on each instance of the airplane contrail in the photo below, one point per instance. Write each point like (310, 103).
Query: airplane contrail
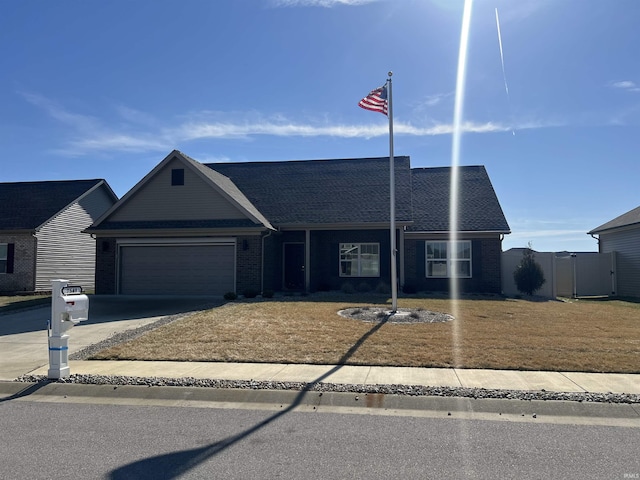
(504, 75)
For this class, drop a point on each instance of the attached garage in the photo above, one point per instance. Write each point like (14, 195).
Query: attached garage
(168, 268)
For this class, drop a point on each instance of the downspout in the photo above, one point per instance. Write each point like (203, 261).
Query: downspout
(401, 251)
(262, 263)
(307, 260)
(34, 267)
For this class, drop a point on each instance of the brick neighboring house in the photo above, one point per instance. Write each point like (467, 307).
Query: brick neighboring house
(192, 228)
(41, 235)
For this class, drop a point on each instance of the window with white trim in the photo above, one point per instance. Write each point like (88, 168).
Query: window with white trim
(448, 259)
(4, 257)
(359, 259)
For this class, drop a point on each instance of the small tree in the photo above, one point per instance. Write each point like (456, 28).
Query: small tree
(528, 276)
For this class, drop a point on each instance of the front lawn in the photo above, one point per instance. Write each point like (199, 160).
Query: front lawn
(488, 332)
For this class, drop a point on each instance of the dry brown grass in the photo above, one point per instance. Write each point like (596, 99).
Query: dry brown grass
(495, 333)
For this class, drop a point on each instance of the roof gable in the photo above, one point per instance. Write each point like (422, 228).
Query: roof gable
(478, 209)
(29, 205)
(632, 217)
(330, 192)
(206, 199)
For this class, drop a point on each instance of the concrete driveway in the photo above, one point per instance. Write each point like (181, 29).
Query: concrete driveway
(24, 339)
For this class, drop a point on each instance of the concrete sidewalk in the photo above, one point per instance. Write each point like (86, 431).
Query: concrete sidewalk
(363, 375)
(23, 350)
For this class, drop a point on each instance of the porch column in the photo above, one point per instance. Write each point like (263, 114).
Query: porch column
(307, 260)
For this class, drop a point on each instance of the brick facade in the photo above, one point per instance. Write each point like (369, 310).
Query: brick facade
(106, 266)
(486, 268)
(23, 277)
(248, 263)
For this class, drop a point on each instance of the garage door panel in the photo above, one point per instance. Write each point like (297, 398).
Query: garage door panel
(177, 269)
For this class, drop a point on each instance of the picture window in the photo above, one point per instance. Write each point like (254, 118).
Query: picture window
(448, 259)
(359, 260)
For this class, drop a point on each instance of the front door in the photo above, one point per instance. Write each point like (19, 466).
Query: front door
(294, 266)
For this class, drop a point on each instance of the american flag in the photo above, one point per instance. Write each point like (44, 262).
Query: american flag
(376, 101)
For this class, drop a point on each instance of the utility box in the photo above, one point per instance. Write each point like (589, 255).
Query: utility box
(69, 306)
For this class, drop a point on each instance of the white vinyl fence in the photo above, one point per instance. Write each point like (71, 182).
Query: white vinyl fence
(582, 274)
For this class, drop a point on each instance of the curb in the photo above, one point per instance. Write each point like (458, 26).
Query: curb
(310, 401)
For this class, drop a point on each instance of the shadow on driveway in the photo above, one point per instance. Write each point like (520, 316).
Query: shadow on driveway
(109, 308)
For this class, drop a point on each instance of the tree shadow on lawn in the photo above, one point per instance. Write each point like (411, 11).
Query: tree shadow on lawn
(173, 465)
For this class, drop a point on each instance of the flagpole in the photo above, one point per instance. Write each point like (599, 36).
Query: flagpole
(392, 201)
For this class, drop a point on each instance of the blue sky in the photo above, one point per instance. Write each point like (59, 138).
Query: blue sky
(95, 89)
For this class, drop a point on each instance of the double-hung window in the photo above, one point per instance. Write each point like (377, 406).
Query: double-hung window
(4, 257)
(448, 259)
(359, 260)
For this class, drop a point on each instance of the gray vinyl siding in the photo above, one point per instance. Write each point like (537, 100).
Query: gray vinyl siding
(159, 200)
(63, 250)
(626, 244)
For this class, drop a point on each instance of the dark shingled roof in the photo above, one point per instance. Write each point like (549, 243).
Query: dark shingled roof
(632, 217)
(345, 191)
(27, 205)
(478, 208)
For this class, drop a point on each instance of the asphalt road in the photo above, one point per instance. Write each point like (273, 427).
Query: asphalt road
(67, 440)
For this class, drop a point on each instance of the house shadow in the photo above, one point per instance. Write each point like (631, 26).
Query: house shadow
(173, 465)
(107, 309)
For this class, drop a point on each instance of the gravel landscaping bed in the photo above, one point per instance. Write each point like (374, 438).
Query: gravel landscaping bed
(413, 390)
(401, 315)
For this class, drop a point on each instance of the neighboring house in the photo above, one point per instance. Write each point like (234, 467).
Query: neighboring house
(622, 236)
(191, 228)
(41, 237)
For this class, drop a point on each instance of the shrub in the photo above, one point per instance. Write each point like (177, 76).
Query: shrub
(363, 287)
(347, 288)
(528, 276)
(230, 296)
(250, 293)
(267, 294)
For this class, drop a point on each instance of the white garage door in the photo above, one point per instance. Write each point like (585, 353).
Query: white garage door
(177, 269)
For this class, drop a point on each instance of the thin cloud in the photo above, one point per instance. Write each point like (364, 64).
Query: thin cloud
(54, 110)
(141, 133)
(626, 85)
(116, 142)
(167, 139)
(566, 239)
(524, 234)
(435, 99)
(135, 116)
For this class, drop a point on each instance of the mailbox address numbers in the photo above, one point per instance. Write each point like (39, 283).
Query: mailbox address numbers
(72, 290)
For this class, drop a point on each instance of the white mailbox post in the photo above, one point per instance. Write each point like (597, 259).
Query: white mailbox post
(68, 308)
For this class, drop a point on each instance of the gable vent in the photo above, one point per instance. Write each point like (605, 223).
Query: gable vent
(177, 176)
